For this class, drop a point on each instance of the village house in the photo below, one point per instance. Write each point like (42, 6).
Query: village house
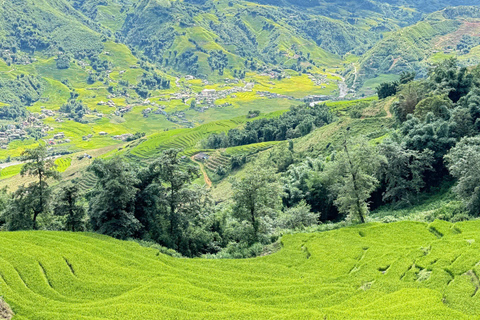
(59, 135)
(201, 156)
(123, 137)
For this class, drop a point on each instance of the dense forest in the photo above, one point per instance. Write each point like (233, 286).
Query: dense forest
(297, 122)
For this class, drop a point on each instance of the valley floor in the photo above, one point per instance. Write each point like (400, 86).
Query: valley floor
(405, 270)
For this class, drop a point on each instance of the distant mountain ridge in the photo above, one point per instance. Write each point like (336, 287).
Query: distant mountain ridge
(211, 38)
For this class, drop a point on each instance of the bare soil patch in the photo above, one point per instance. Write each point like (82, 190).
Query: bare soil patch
(5, 312)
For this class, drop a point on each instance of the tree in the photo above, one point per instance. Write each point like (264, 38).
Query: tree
(67, 205)
(112, 201)
(435, 134)
(404, 171)
(62, 61)
(387, 89)
(75, 109)
(449, 78)
(308, 181)
(39, 165)
(464, 164)
(181, 213)
(353, 172)
(440, 106)
(19, 210)
(409, 96)
(256, 197)
(4, 202)
(297, 217)
(406, 77)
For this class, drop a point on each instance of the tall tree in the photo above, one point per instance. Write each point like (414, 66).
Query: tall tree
(39, 165)
(404, 171)
(451, 79)
(464, 164)
(112, 201)
(177, 208)
(256, 196)
(354, 174)
(67, 205)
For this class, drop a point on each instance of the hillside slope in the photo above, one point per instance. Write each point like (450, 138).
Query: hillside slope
(402, 270)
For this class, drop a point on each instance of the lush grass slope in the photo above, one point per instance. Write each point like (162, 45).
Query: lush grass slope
(402, 270)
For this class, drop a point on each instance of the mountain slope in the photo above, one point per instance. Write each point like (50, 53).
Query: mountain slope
(410, 48)
(47, 25)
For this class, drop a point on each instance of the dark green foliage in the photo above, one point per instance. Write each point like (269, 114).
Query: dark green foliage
(19, 211)
(38, 194)
(157, 203)
(174, 213)
(387, 89)
(136, 136)
(13, 112)
(406, 77)
(53, 26)
(112, 201)
(62, 61)
(22, 91)
(464, 164)
(467, 43)
(435, 134)
(439, 106)
(466, 115)
(409, 96)
(354, 175)
(403, 173)
(308, 182)
(449, 78)
(297, 122)
(218, 60)
(256, 198)
(151, 81)
(281, 158)
(297, 217)
(67, 205)
(74, 109)
(253, 113)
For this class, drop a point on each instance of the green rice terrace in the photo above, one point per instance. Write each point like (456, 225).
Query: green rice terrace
(407, 270)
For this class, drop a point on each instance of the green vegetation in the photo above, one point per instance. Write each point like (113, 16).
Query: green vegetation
(407, 270)
(222, 130)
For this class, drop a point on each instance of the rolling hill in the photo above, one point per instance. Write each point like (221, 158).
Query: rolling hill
(408, 270)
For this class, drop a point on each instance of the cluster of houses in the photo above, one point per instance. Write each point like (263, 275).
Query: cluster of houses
(271, 95)
(58, 138)
(123, 137)
(121, 111)
(209, 96)
(274, 74)
(316, 98)
(109, 103)
(18, 131)
(318, 79)
(10, 135)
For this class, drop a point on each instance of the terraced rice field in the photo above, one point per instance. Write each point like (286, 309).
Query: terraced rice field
(63, 164)
(184, 139)
(251, 148)
(405, 270)
(217, 160)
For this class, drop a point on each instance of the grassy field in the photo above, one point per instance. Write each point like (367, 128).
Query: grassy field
(405, 270)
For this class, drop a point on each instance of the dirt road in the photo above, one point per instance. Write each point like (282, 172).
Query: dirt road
(208, 182)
